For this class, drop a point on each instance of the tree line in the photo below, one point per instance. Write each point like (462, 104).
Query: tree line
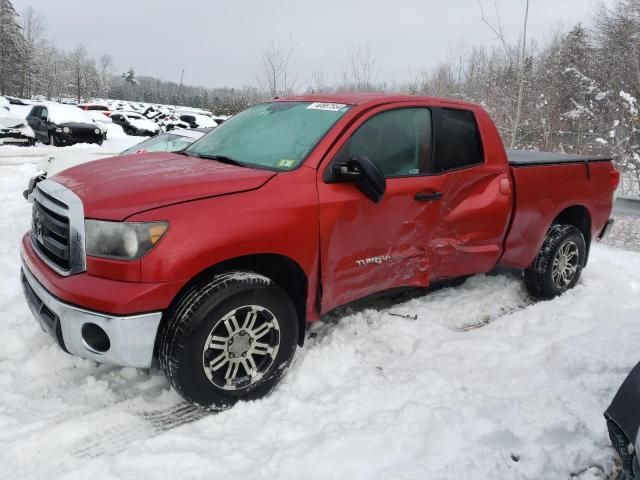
(577, 92)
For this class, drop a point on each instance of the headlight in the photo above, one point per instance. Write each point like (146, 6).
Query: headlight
(97, 130)
(66, 129)
(122, 240)
(59, 130)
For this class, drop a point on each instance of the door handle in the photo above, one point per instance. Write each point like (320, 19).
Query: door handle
(427, 196)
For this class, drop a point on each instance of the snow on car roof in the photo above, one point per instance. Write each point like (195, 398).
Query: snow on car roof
(131, 114)
(66, 114)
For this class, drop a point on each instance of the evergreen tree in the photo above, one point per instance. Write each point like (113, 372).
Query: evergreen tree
(11, 46)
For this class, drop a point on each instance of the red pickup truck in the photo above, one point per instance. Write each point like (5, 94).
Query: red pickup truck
(214, 259)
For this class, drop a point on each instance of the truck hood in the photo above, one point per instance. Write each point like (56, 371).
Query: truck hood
(118, 187)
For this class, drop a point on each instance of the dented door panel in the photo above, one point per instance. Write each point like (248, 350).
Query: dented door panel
(368, 247)
(474, 216)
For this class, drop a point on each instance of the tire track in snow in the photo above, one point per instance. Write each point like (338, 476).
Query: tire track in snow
(144, 425)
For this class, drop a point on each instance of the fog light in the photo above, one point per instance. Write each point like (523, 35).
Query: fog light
(95, 339)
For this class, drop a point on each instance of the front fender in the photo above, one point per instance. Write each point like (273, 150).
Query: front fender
(280, 218)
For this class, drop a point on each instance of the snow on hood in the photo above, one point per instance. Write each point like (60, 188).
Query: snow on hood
(9, 119)
(118, 187)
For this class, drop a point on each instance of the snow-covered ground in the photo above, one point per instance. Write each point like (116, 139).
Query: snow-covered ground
(472, 382)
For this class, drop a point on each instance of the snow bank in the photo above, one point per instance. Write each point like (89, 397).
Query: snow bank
(464, 383)
(54, 159)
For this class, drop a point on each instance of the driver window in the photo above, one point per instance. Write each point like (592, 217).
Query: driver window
(396, 141)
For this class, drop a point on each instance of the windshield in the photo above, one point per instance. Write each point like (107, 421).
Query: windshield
(276, 135)
(167, 142)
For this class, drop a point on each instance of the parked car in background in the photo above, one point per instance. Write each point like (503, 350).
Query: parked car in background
(17, 101)
(13, 128)
(134, 123)
(214, 259)
(173, 141)
(195, 120)
(60, 125)
(220, 119)
(101, 120)
(623, 423)
(97, 107)
(169, 121)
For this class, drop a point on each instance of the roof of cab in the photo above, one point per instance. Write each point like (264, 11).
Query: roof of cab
(368, 98)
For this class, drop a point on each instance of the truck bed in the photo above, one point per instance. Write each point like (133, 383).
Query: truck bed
(523, 158)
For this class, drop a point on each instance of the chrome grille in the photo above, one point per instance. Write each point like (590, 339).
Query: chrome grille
(50, 234)
(57, 228)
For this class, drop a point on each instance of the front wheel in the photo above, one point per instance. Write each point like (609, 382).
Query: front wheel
(558, 266)
(52, 140)
(232, 337)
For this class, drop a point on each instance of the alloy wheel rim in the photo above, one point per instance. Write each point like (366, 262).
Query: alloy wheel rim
(241, 347)
(565, 264)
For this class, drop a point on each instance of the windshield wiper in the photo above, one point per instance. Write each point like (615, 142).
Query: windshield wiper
(218, 158)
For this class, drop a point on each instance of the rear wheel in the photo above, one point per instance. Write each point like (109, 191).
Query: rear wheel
(232, 337)
(558, 266)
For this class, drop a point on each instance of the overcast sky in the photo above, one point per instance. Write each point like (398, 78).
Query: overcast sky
(219, 43)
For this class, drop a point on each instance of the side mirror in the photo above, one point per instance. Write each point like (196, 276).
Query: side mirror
(362, 172)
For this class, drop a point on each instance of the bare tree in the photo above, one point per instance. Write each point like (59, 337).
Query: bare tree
(497, 28)
(521, 82)
(106, 68)
(318, 82)
(359, 72)
(273, 75)
(77, 60)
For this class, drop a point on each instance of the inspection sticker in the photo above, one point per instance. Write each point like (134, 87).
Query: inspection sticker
(332, 107)
(286, 163)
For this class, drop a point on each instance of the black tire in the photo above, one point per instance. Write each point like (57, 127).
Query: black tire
(545, 282)
(52, 140)
(200, 313)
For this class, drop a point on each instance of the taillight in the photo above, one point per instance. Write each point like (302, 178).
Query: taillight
(614, 178)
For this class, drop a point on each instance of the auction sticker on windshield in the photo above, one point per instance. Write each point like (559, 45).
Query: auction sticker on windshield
(333, 107)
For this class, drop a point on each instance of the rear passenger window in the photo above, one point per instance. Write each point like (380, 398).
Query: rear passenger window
(396, 141)
(457, 141)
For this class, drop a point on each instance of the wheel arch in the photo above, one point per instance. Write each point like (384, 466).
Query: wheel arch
(284, 271)
(580, 217)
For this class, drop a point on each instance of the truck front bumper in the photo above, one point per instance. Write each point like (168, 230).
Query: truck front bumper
(118, 340)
